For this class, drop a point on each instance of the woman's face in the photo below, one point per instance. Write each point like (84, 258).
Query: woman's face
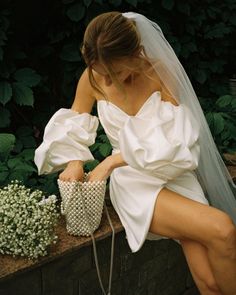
(122, 69)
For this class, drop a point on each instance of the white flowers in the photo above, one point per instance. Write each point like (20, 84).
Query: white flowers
(27, 221)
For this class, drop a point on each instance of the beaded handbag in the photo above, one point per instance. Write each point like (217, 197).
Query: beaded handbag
(82, 204)
(80, 199)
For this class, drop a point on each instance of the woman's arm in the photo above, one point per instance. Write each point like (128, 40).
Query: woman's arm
(105, 168)
(83, 103)
(84, 96)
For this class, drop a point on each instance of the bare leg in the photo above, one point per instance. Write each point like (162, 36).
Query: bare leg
(180, 218)
(224, 266)
(198, 262)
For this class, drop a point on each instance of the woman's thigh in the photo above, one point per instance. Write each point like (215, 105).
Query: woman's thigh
(178, 217)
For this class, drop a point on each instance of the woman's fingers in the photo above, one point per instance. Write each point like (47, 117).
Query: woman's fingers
(70, 174)
(95, 178)
(99, 173)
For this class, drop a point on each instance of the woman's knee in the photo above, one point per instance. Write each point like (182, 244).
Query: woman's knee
(209, 284)
(223, 238)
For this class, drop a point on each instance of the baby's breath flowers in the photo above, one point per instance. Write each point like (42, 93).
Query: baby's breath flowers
(27, 221)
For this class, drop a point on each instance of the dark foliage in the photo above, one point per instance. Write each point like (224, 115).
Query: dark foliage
(40, 63)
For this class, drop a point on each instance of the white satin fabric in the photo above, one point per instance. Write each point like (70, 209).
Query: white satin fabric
(159, 143)
(212, 173)
(66, 137)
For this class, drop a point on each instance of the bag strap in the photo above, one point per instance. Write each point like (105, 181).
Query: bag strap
(95, 249)
(112, 249)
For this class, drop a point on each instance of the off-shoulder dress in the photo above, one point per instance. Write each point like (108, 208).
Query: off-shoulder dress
(159, 144)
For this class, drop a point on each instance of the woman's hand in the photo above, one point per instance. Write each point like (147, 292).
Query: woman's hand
(73, 172)
(103, 170)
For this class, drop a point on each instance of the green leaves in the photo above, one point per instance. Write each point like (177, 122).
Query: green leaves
(218, 122)
(27, 76)
(217, 31)
(25, 135)
(67, 1)
(203, 42)
(5, 92)
(224, 100)
(188, 48)
(200, 76)
(183, 7)
(115, 2)
(5, 117)
(100, 149)
(89, 166)
(76, 12)
(3, 37)
(14, 84)
(23, 95)
(105, 149)
(87, 3)
(17, 155)
(168, 4)
(18, 163)
(7, 142)
(70, 52)
(221, 119)
(1, 54)
(21, 90)
(27, 154)
(132, 2)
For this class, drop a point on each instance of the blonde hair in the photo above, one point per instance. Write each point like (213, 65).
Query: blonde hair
(109, 37)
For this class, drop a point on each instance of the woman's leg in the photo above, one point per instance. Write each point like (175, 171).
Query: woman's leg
(181, 218)
(198, 262)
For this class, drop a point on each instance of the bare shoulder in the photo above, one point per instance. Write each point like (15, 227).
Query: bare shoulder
(84, 96)
(165, 94)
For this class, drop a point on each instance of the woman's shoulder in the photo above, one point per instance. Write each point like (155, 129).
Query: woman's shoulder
(84, 85)
(158, 84)
(86, 81)
(84, 97)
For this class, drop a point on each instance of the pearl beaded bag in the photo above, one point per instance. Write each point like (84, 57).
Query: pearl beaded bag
(80, 199)
(82, 204)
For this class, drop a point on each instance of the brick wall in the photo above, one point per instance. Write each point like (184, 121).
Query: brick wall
(159, 268)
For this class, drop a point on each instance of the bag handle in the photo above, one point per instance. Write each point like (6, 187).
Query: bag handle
(112, 249)
(64, 209)
(95, 249)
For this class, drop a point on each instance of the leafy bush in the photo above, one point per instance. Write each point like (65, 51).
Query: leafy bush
(40, 63)
(221, 118)
(16, 161)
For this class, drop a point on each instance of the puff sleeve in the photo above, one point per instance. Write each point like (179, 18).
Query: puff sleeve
(67, 137)
(165, 145)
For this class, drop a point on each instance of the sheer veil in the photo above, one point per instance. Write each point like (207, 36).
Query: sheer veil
(212, 172)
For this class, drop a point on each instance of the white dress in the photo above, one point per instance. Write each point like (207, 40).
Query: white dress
(159, 144)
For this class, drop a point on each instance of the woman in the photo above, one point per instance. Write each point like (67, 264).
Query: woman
(154, 122)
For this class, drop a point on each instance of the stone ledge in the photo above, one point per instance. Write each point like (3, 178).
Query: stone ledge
(65, 245)
(158, 268)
